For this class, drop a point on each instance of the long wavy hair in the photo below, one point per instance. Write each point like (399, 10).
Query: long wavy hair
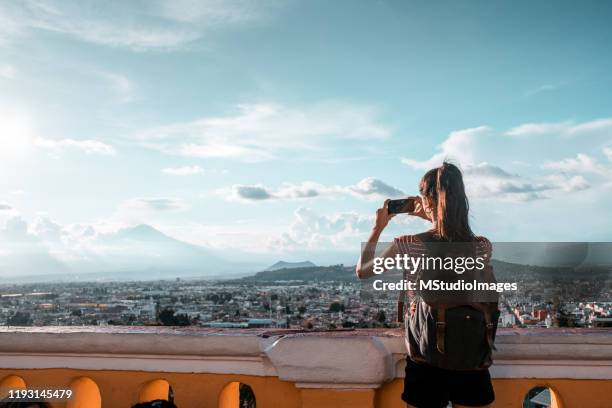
(445, 189)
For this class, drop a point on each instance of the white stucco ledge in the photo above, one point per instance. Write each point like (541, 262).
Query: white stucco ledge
(348, 359)
(315, 361)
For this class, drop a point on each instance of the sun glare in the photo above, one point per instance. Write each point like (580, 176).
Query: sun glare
(15, 136)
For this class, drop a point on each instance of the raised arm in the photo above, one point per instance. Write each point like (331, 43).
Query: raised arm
(365, 264)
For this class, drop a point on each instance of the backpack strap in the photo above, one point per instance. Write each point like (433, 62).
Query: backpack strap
(440, 327)
(490, 328)
(487, 310)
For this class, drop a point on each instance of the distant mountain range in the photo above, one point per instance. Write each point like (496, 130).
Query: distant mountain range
(135, 253)
(307, 273)
(504, 272)
(290, 265)
(142, 252)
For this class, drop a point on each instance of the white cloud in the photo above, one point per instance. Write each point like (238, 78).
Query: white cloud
(373, 187)
(86, 145)
(20, 138)
(545, 88)
(369, 188)
(582, 163)
(307, 189)
(342, 231)
(264, 131)
(565, 129)
(183, 171)
(569, 184)
(608, 152)
(255, 192)
(575, 183)
(485, 169)
(473, 149)
(46, 229)
(487, 181)
(312, 231)
(592, 127)
(288, 191)
(539, 129)
(136, 25)
(459, 146)
(15, 229)
(484, 180)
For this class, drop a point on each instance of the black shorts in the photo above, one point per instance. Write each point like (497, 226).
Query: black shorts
(432, 387)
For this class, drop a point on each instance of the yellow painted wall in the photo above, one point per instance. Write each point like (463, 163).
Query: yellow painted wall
(122, 389)
(571, 393)
(318, 398)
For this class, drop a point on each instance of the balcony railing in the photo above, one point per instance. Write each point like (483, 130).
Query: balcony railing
(119, 366)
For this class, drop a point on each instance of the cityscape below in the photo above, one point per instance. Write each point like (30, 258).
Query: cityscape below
(295, 296)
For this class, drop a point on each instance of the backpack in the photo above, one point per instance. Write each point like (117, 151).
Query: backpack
(456, 331)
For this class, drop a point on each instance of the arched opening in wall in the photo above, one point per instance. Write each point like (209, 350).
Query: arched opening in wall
(156, 390)
(11, 382)
(86, 394)
(237, 395)
(541, 397)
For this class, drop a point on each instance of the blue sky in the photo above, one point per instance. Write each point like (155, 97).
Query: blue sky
(276, 128)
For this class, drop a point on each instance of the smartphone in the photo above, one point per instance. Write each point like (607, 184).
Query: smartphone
(403, 205)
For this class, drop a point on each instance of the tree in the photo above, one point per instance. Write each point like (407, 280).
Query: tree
(19, 319)
(167, 317)
(181, 320)
(336, 307)
(130, 319)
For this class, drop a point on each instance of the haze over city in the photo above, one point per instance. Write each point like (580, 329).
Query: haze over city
(220, 132)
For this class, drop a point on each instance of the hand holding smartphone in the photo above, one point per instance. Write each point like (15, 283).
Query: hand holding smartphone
(403, 205)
